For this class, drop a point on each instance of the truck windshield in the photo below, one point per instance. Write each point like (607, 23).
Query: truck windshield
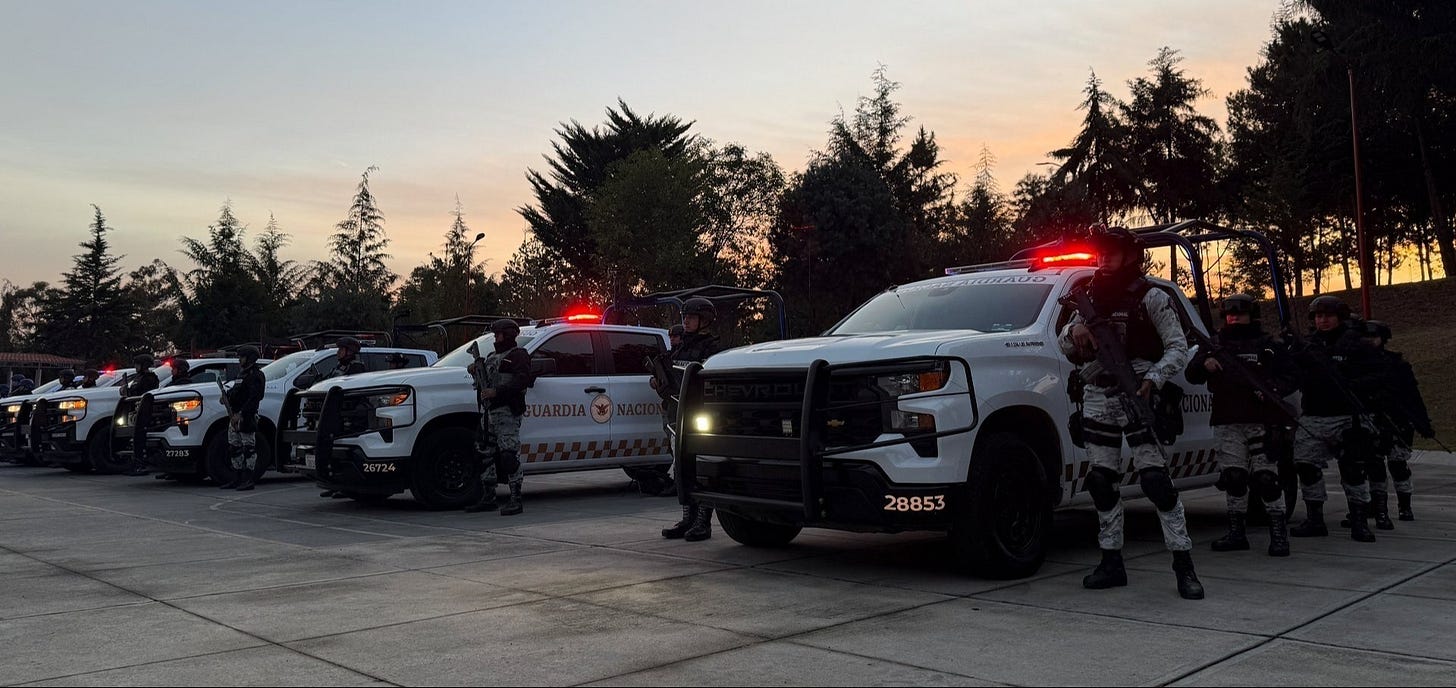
(984, 304)
(461, 357)
(280, 368)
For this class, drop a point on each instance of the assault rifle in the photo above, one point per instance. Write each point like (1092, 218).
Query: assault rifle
(478, 381)
(661, 368)
(1113, 357)
(1236, 366)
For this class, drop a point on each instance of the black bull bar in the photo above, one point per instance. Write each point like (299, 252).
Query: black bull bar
(808, 449)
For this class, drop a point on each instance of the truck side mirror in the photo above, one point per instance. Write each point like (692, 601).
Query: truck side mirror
(543, 366)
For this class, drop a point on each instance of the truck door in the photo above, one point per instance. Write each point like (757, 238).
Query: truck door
(568, 413)
(637, 415)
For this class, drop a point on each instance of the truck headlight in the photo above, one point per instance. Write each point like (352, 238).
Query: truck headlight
(187, 409)
(929, 378)
(703, 423)
(13, 409)
(75, 409)
(393, 408)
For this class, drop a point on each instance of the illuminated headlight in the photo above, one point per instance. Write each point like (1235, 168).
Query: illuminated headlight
(12, 409)
(703, 423)
(75, 409)
(392, 409)
(187, 409)
(121, 421)
(933, 377)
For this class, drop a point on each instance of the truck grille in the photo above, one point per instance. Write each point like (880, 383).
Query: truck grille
(772, 406)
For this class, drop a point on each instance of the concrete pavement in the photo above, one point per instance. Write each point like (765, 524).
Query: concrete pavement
(108, 580)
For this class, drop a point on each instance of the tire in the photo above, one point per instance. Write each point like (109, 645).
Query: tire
(217, 458)
(746, 531)
(445, 472)
(101, 455)
(78, 467)
(653, 479)
(1001, 531)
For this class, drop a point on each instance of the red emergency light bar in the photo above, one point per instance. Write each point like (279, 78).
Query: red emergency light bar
(584, 317)
(1062, 259)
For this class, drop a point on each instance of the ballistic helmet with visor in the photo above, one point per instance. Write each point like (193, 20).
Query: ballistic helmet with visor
(1329, 305)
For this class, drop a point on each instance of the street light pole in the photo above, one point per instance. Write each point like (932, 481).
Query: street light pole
(1365, 258)
(465, 261)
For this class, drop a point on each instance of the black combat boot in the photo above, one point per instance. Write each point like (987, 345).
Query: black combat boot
(1109, 573)
(1314, 522)
(234, 483)
(1403, 499)
(702, 525)
(327, 494)
(247, 483)
(1359, 527)
(487, 501)
(513, 506)
(681, 527)
(1278, 533)
(1379, 503)
(1237, 539)
(1188, 586)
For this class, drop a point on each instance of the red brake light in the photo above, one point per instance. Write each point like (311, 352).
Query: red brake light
(1060, 259)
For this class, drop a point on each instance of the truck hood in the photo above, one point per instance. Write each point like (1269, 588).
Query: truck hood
(857, 348)
(415, 377)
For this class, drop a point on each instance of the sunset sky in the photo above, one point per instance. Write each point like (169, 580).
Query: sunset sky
(160, 111)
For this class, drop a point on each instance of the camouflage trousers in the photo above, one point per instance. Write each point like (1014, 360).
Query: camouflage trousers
(1104, 424)
(1243, 446)
(1333, 438)
(1398, 461)
(500, 448)
(243, 448)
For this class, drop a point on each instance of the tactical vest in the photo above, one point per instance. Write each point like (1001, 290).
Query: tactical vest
(1134, 325)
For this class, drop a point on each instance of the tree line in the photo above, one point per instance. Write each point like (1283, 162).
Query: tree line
(641, 203)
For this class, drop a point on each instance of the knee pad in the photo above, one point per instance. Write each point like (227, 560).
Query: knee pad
(1400, 470)
(507, 463)
(1308, 473)
(1102, 485)
(1158, 488)
(1234, 481)
(1266, 486)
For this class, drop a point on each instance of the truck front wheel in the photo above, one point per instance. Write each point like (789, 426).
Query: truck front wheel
(1001, 531)
(746, 531)
(445, 474)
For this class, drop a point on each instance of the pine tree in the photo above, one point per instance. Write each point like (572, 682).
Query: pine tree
(358, 245)
(280, 279)
(1174, 148)
(92, 318)
(1097, 165)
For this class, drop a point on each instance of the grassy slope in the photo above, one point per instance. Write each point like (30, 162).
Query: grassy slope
(1422, 318)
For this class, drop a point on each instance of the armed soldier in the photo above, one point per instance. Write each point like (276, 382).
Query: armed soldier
(675, 336)
(90, 378)
(1242, 418)
(1405, 414)
(348, 362)
(144, 380)
(698, 344)
(502, 379)
(1340, 374)
(242, 401)
(67, 378)
(1136, 324)
(181, 372)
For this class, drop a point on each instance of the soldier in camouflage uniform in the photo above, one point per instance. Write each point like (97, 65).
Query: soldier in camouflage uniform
(1155, 344)
(243, 399)
(506, 376)
(697, 344)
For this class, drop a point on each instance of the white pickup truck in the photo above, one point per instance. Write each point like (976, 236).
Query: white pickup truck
(72, 428)
(937, 405)
(186, 434)
(15, 420)
(375, 435)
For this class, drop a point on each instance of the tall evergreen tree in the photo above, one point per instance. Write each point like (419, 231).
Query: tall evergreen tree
(280, 279)
(1174, 149)
(1097, 164)
(93, 317)
(355, 285)
(223, 302)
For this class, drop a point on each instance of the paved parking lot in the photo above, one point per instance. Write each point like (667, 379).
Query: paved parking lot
(118, 580)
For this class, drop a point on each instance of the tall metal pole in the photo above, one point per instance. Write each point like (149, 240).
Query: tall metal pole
(1367, 268)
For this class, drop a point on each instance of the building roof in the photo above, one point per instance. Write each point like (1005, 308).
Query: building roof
(27, 360)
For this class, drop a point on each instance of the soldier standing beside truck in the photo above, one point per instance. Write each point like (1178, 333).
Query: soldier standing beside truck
(501, 381)
(242, 401)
